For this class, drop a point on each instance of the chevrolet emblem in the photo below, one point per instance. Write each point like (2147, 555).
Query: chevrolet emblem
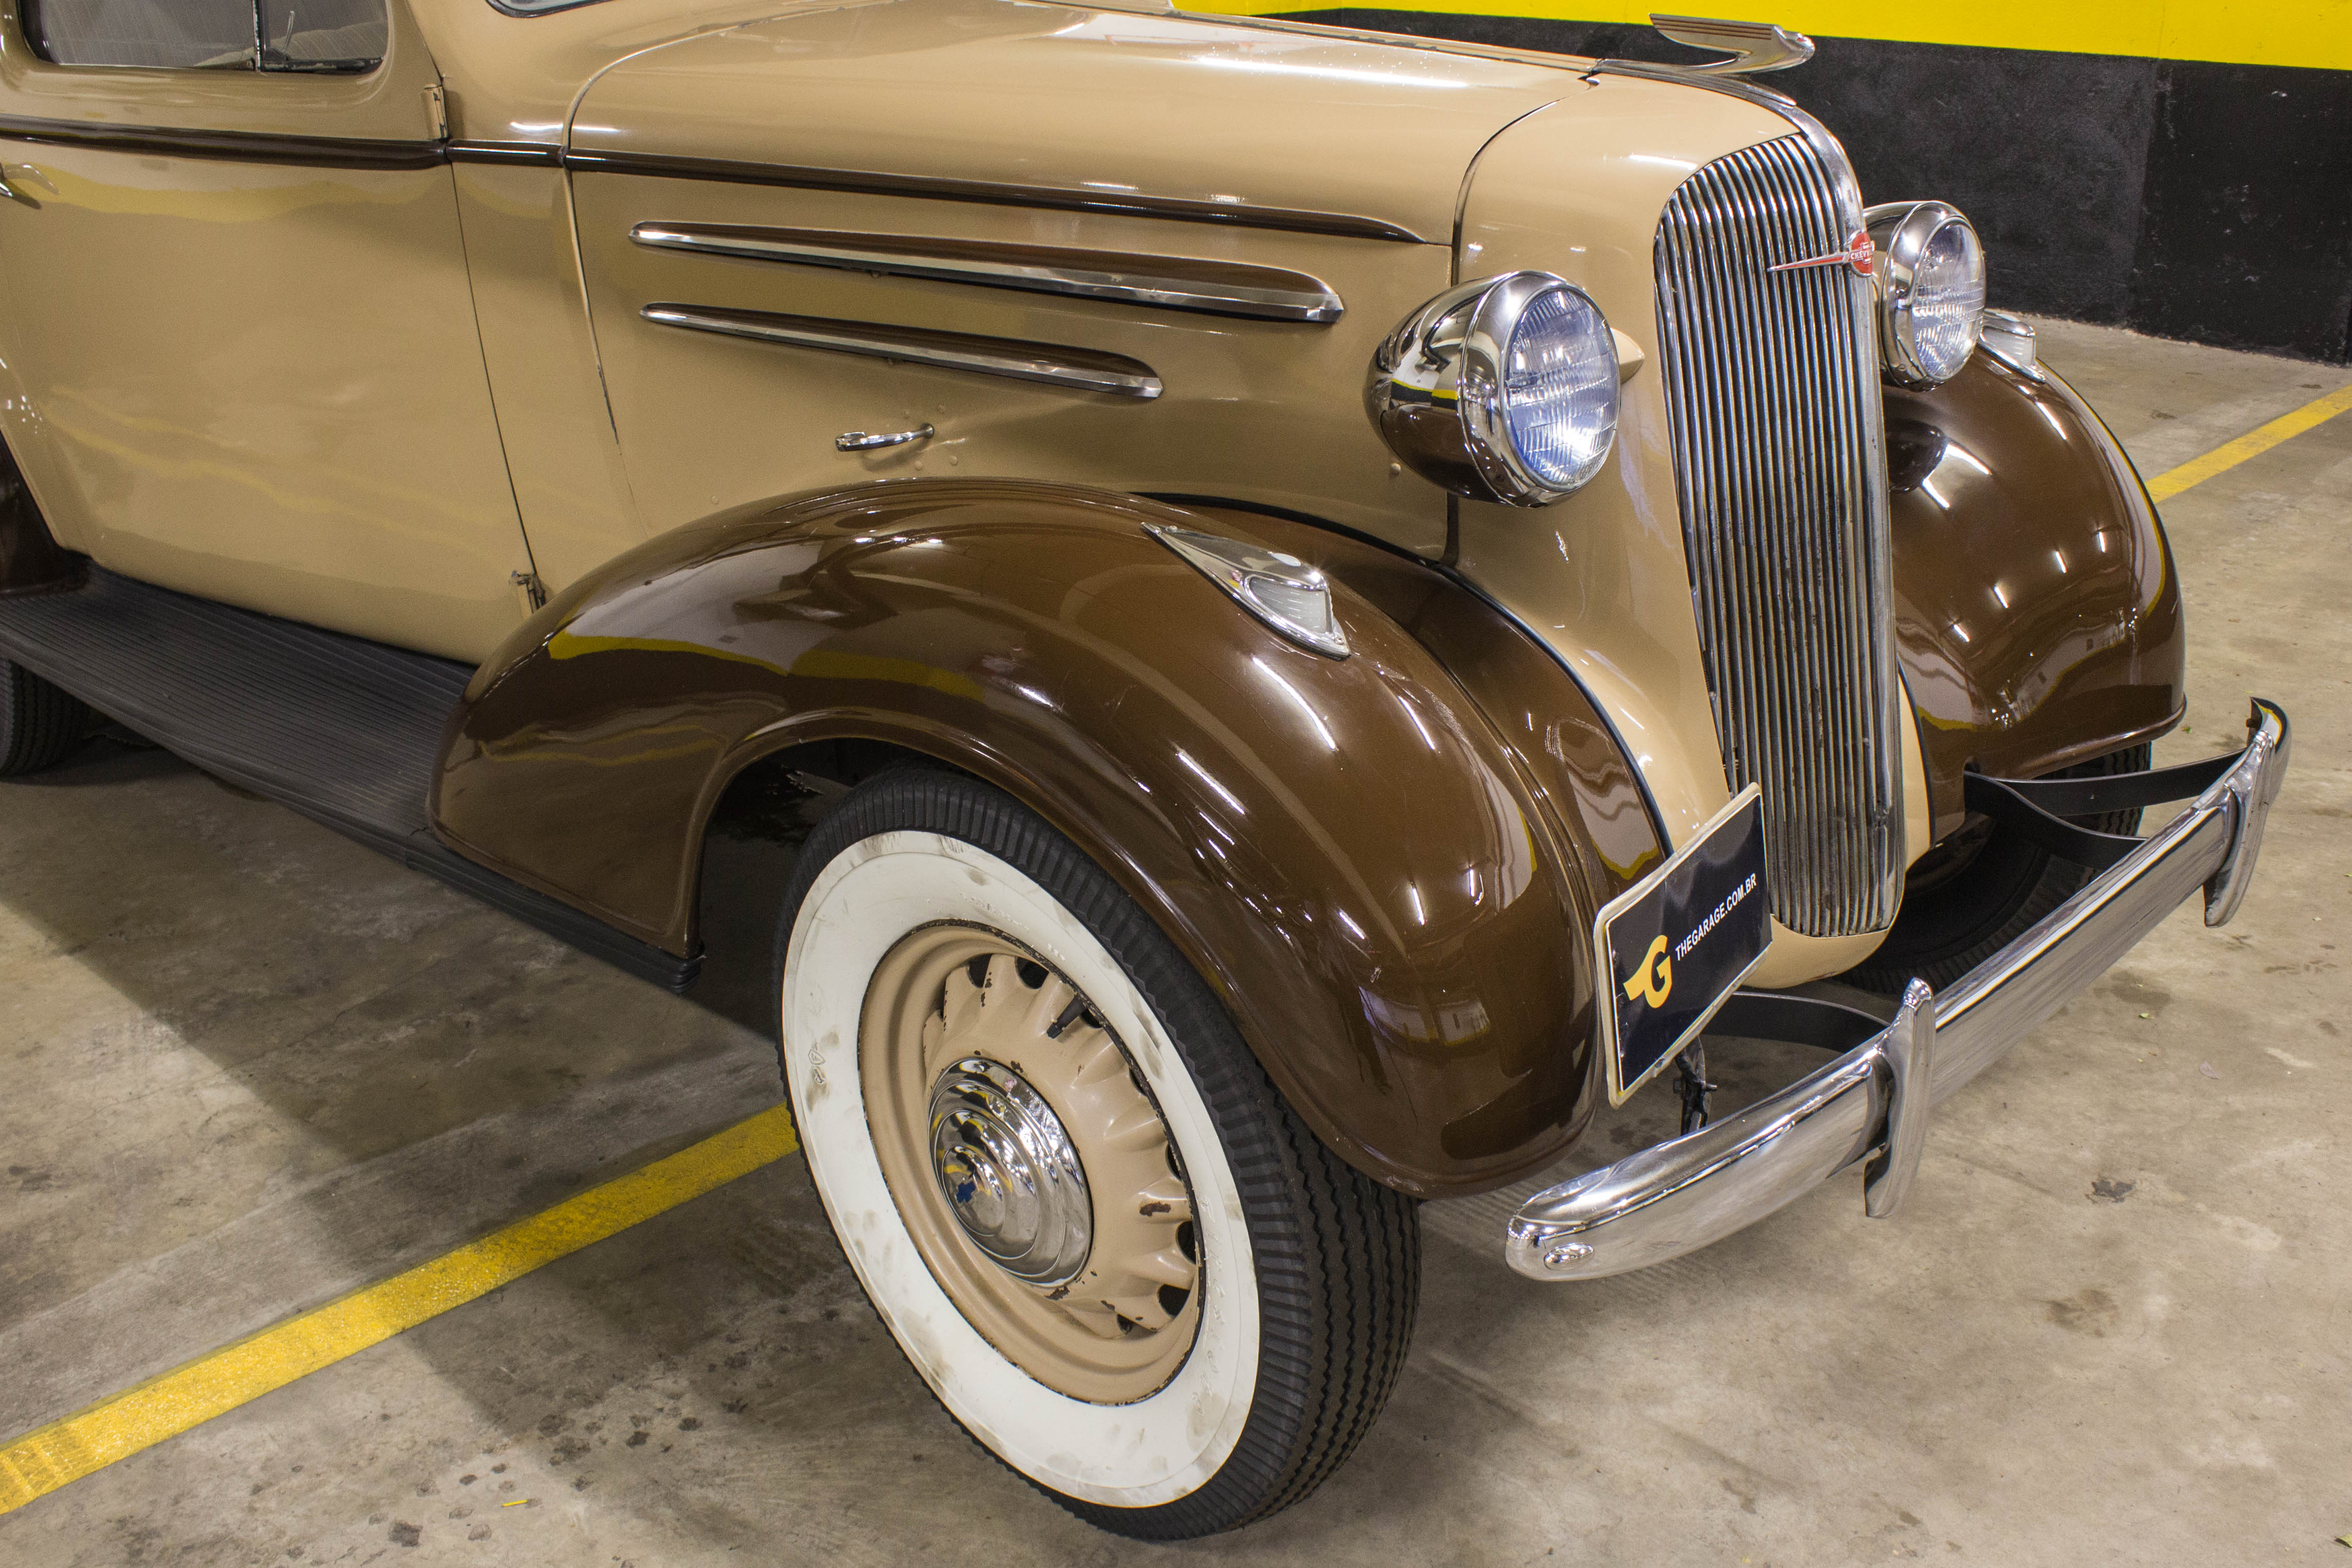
(1858, 254)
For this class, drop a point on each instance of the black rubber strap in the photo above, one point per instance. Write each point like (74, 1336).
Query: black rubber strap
(2001, 799)
(1800, 1021)
(2115, 792)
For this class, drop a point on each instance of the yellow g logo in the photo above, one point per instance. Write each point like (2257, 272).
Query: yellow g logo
(1656, 978)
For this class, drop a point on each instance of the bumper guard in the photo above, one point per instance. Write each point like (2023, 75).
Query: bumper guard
(1871, 1103)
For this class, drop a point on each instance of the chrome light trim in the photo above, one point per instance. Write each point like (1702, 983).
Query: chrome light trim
(1434, 388)
(1754, 46)
(1280, 590)
(1899, 234)
(2011, 339)
(1168, 282)
(1078, 369)
(1867, 1104)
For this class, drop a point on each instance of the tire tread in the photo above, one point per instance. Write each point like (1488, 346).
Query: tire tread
(1337, 1256)
(40, 724)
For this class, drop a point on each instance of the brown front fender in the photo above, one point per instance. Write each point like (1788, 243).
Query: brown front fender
(2036, 610)
(1391, 892)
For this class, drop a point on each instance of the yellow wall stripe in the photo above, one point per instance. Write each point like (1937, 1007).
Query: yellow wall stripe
(164, 1407)
(2244, 32)
(2255, 443)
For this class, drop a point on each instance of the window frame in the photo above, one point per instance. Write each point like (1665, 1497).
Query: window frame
(261, 60)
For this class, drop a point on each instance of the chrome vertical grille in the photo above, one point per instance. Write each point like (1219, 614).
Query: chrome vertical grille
(1773, 403)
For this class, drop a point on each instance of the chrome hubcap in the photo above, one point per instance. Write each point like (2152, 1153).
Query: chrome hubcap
(1009, 1172)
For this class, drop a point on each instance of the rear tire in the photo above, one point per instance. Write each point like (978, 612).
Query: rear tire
(1981, 889)
(40, 725)
(1178, 1382)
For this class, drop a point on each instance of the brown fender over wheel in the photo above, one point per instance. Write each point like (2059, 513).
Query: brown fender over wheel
(39, 724)
(1115, 1255)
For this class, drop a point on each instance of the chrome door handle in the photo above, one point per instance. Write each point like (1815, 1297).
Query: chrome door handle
(859, 441)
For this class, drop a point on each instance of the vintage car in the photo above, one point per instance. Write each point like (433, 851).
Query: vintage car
(1322, 604)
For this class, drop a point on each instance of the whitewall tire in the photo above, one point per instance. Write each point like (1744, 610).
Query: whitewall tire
(1067, 1188)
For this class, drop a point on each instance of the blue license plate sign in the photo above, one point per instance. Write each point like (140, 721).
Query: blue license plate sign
(1674, 947)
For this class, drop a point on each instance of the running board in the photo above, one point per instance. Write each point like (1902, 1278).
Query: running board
(344, 731)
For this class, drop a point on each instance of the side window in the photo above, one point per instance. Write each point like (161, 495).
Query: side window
(180, 35)
(210, 34)
(322, 35)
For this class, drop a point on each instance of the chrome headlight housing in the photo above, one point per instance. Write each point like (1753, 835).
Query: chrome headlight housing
(1930, 268)
(1502, 390)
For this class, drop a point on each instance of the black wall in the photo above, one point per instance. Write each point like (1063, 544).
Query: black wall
(2207, 202)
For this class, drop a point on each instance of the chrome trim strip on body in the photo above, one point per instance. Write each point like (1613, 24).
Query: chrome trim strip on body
(1168, 282)
(1774, 411)
(1681, 1195)
(238, 146)
(1182, 209)
(1078, 369)
(546, 153)
(271, 147)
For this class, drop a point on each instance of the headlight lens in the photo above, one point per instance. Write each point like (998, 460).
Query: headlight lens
(1930, 268)
(1502, 390)
(1948, 300)
(1560, 388)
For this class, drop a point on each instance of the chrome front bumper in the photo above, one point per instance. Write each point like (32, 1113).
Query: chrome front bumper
(1871, 1103)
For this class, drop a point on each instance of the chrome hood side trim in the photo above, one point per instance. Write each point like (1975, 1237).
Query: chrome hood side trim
(1168, 282)
(1076, 369)
(1180, 209)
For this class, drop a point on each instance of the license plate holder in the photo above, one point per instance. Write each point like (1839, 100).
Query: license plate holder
(1673, 947)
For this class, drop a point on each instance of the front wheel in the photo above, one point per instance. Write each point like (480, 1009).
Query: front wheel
(39, 724)
(1116, 1255)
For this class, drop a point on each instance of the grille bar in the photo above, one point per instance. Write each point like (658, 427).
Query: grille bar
(1773, 403)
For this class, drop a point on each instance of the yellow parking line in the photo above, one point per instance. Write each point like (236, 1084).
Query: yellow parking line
(166, 1405)
(2255, 443)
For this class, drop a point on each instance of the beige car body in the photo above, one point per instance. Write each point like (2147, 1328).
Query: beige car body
(467, 409)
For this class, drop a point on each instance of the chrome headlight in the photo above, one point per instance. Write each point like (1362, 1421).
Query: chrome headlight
(1931, 289)
(1501, 390)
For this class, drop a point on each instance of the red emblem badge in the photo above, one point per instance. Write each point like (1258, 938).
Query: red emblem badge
(1858, 254)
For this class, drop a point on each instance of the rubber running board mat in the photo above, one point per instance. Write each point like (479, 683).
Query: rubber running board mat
(343, 730)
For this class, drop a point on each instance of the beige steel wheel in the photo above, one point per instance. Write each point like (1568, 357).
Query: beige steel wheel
(1030, 1165)
(1070, 1191)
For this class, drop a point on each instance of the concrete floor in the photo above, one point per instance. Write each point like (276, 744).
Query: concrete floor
(249, 1065)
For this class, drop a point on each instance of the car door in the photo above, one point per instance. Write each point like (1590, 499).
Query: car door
(234, 310)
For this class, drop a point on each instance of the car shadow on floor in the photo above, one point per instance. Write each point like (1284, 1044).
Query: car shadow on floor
(377, 1021)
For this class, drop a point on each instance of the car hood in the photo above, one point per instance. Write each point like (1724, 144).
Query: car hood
(1105, 104)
